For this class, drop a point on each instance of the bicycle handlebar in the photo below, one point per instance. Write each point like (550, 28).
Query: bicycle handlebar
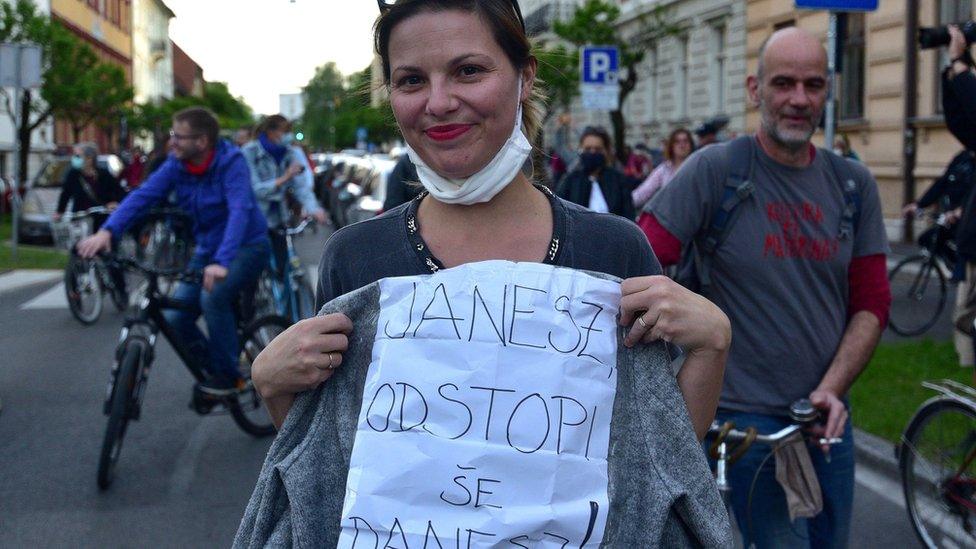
(292, 231)
(735, 435)
(72, 216)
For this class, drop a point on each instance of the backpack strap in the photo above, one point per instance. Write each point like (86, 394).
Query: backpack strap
(738, 187)
(852, 198)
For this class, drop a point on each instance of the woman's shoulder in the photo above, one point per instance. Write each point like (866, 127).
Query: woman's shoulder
(371, 235)
(616, 244)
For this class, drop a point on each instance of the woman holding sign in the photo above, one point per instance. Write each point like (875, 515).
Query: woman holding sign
(462, 88)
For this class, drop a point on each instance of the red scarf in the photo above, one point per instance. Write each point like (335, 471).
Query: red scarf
(200, 169)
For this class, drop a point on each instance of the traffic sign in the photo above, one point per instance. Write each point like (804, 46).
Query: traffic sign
(838, 5)
(599, 87)
(600, 64)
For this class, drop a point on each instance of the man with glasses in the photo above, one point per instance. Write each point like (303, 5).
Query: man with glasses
(213, 186)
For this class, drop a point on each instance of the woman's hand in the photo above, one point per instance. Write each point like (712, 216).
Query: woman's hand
(299, 359)
(660, 308)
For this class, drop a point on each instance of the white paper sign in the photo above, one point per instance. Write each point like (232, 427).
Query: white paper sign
(486, 411)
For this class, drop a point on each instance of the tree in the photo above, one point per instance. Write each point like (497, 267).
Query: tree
(97, 96)
(65, 63)
(232, 112)
(154, 118)
(336, 107)
(322, 96)
(558, 75)
(595, 23)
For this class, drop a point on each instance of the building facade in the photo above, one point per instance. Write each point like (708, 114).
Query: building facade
(106, 25)
(152, 52)
(187, 74)
(696, 74)
(874, 95)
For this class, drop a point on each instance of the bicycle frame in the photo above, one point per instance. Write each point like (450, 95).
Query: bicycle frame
(282, 280)
(149, 318)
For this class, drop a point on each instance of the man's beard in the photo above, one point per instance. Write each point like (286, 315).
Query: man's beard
(790, 142)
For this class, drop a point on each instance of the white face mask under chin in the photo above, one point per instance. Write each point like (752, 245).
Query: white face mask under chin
(483, 185)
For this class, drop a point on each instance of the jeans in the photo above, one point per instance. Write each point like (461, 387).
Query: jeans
(218, 308)
(765, 520)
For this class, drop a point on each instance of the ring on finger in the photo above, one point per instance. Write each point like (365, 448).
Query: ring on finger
(643, 324)
(331, 361)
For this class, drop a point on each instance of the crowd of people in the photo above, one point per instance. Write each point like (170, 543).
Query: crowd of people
(236, 197)
(779, 245)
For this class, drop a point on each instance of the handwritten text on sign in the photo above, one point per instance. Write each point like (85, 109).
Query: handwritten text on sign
(486, 411)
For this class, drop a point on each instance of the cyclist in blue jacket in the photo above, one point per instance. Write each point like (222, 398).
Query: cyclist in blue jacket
(213, 186)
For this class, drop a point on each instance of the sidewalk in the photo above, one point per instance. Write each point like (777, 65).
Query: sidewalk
(22, 278)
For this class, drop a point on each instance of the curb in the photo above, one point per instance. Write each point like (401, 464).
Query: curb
(877, 453)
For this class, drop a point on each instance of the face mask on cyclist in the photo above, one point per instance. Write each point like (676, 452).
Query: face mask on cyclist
(287, 139)
(77, 162)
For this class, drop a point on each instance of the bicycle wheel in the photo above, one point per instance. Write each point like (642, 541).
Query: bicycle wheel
(938, 472)
(124, 392)
(264, 298)
(918, 290)
(83, 289)
(246, 407)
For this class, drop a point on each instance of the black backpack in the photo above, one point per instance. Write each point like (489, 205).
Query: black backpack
(694, 269)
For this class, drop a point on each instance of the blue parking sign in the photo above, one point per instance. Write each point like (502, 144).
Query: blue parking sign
(600, 64)
(838, 5)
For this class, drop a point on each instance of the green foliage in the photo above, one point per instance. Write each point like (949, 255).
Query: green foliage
(558, 75)
(75, 83)
(156, 118)
(335, 107)
(889, 391)
(28, 257)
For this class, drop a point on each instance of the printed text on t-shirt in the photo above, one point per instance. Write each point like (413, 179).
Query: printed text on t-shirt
(790, 244)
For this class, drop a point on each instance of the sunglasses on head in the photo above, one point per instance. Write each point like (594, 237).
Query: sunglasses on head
(387, 4)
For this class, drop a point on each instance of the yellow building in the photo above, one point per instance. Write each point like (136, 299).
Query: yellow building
(873, 94)
(106, 25)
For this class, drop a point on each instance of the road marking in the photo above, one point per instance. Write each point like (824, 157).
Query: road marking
(892, 492)
(53, 298)
(18, 279)
(185, 468)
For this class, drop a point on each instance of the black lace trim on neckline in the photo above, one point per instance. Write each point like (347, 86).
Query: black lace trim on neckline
(433, 264)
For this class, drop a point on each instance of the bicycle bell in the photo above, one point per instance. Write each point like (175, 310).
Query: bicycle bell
(803, 411)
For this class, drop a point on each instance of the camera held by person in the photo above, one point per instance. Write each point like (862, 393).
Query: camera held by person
(936, 37)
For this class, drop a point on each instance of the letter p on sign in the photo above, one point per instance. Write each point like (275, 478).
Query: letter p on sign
(600, 64)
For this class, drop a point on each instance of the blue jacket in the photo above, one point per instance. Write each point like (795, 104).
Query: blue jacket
(220, 202)
(264, 171)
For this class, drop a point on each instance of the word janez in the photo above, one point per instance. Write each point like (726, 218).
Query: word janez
(505, 322)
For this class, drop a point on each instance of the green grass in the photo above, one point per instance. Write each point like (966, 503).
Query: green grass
(28, 257)
(890, 390)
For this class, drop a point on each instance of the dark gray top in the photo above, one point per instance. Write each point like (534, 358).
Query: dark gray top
(781, 273)
(660, 490)
(390, 245)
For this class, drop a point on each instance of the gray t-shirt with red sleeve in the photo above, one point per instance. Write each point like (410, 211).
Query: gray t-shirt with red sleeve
(781, 273)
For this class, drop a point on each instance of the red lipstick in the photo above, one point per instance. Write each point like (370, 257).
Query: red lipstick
(447, 131)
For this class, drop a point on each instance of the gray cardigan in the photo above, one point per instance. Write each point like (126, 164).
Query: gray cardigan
(661, 491)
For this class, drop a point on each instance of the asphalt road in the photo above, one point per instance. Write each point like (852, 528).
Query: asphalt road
(183, 480)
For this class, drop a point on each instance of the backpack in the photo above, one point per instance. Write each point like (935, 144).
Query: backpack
(694, 269)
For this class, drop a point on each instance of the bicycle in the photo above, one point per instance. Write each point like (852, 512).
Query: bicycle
(285, 290)
(937, 462)
(729, 444)
(134, 357)
(920, 280)
(85, 280)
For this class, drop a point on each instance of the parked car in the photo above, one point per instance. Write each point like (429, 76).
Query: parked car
(42, 193)
(369, 203)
